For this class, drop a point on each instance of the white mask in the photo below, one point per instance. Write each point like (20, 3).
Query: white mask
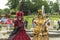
(19, 18)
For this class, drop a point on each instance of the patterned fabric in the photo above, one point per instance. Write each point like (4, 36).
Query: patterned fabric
(41, 30)
(40, 38)
(21, 35)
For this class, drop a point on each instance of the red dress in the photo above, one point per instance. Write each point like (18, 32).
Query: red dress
(21, 35)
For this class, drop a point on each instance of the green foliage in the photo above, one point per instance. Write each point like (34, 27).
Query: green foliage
(13, 4)
(29, 5)
(6, 10)
(55, 7)
(38, 4)
(33, 5)
(3, 11)
(0, 11)
(47, 9)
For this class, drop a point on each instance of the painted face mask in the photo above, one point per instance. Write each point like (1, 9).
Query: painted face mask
(19, 18)
(20, 15)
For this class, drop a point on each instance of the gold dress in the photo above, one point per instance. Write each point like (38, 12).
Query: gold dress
(40, 31)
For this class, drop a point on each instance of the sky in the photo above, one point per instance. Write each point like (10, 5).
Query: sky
(3, 2)
(53, 0)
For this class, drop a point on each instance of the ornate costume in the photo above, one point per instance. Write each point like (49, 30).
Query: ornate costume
(40, 31)
(19, 33)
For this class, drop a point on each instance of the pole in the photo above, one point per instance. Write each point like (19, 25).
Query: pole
(43, 10)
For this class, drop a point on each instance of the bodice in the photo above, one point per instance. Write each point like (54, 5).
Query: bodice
(40, 25)
(39, 22)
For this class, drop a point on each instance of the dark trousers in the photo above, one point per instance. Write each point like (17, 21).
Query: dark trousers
(58, 27)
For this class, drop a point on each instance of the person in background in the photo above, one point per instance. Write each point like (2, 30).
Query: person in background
(26, 24)
(4, 22)
(4, 19)
(48, 22)
(59, 23)
(55, 24)
(10, 23)
(33, 23)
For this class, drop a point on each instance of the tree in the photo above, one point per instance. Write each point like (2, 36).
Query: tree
(0, 11)
(55, 7)
(30, 6)
(38, 4)
(47, 9)
(13, 4)
(6, 10)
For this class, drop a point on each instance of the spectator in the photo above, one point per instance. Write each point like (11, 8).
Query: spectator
(10, 23)
(4, 19)
(33, 23)
(26, 23)
(48, 22)
(59, 23)
(55, 24)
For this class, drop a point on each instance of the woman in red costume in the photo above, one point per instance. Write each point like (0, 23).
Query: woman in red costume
(19, 32)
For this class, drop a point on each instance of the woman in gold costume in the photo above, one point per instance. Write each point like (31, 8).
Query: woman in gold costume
(40, 31)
